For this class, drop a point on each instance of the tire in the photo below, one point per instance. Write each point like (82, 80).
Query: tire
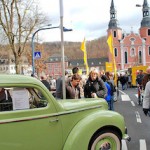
(106, 136)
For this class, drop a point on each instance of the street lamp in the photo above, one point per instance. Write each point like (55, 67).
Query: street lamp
(32, 43)
(33, 65)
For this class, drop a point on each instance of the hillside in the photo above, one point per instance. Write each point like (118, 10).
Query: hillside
(95, 48)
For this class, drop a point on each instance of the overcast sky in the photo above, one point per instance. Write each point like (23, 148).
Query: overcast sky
(89, 18)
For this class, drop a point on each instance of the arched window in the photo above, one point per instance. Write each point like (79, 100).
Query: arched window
(116, 52)
(140, 57)
(148, 32)
(149, 50)
(115, 34)
(125, 57)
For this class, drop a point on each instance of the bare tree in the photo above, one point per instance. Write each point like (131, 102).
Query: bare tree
(18, 19)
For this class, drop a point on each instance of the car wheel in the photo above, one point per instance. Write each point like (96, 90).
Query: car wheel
(106, 140)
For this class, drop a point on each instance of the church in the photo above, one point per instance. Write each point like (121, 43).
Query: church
(131, 49)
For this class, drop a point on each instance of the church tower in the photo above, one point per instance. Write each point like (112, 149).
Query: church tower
(145, 23)
(145, 32)
(115, 30)
(113, 23)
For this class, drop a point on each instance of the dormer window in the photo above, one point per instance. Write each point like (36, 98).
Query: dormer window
(112, 15)
(145, 13)
(132, 41)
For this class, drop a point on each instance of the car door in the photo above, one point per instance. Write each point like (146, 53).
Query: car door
(24, 129)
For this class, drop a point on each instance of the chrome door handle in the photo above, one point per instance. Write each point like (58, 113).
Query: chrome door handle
(54, 120)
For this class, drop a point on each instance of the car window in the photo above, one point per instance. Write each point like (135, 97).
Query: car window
(14, 98)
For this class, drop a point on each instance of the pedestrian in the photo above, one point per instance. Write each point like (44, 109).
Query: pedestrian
(122, 81)
(110, 81)
(59, 86)
(94, 86)
(139, 78)
(126, 79)
(72, 87)
(75, 70)
(129, 81)
(146, 78)
(146, 99)
(53, 84)
(109, 97)
(45, 82)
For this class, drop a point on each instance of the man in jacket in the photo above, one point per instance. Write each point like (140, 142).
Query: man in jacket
(139, 77)
(72, 87)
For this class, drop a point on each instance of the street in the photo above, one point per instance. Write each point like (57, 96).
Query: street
(137, 123)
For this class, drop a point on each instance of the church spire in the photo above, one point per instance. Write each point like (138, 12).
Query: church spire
(145, 4)
(113, 23)
(146, 15)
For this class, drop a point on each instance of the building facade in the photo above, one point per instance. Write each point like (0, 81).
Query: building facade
(132, 49)
(7, 65)
(54, 65)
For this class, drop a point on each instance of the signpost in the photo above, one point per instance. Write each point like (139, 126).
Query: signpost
(37, 55)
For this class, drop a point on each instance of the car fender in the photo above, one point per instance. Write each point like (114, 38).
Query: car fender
(82, 132)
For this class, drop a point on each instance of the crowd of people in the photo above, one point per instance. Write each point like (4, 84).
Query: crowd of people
(95, 85)
(100, 85)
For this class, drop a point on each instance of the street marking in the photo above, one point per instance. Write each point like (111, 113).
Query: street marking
(125, 98)
(124, 145)
(138, 118)
(122, 92)
(133, 104)
(143, 144)
(141, 141)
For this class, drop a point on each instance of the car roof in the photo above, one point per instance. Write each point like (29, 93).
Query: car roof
(9, 78)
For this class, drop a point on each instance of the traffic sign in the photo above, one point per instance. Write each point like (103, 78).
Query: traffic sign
(37, 55)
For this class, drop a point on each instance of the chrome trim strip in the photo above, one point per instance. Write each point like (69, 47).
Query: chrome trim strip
(46, 116)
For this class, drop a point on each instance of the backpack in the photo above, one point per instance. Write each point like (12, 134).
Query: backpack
(113, 89)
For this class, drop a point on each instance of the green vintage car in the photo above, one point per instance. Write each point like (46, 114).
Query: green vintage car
(32, 119)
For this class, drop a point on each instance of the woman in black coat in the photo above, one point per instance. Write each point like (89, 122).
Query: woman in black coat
(95, 86)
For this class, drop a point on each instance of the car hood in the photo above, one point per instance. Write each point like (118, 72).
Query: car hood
(87, 103)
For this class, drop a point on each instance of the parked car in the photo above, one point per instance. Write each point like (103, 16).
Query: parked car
(32, 119)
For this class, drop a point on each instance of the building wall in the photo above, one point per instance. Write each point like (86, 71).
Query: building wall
(54, 69)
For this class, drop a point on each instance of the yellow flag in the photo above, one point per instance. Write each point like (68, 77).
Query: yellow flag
(115, 72)
(83, 48)
(110, 43)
